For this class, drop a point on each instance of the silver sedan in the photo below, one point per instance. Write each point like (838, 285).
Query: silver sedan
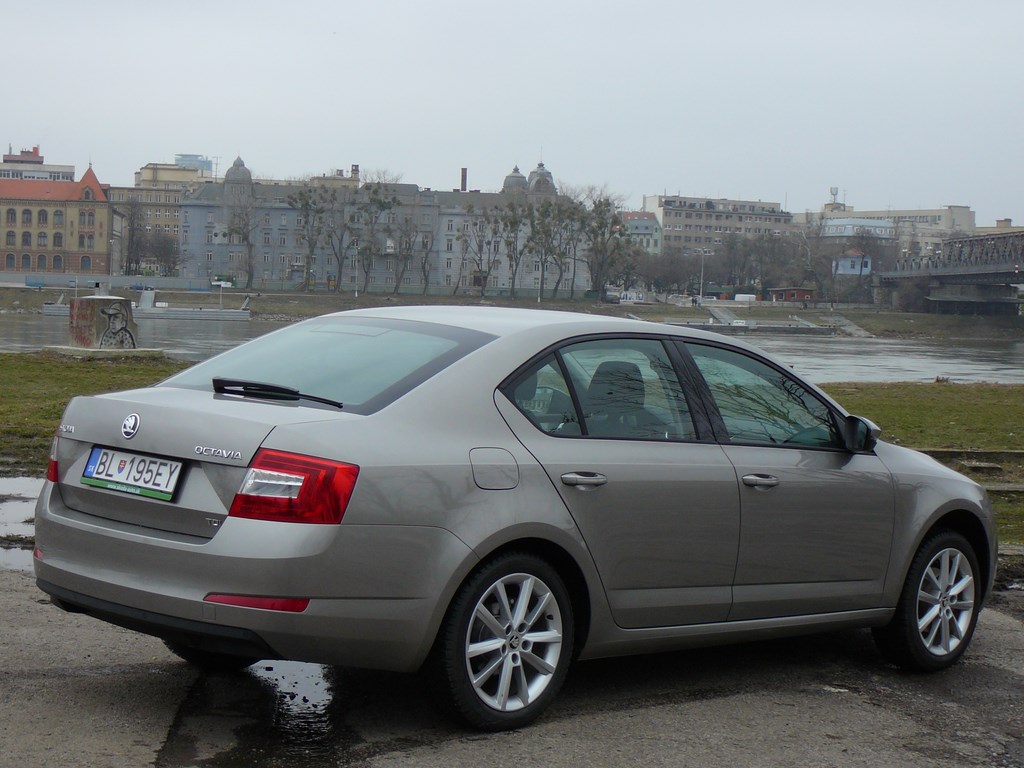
(487, 494)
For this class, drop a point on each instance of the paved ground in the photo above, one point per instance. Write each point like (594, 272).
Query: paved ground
(76, 692)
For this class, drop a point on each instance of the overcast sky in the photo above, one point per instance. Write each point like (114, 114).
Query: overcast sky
(901, 104)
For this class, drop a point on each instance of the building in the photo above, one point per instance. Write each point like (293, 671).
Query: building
(852, 263)
(698, 225)
(918, 232)
(152, 209)
(791, 293)
(643, 230)
(29, 164)
(59, 226)
(416, 240)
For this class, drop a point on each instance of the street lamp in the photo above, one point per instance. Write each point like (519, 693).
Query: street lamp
(700, 289)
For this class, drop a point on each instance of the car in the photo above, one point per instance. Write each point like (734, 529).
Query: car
(485, 494)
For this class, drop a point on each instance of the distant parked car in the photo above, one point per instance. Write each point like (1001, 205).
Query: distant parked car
(492, 493)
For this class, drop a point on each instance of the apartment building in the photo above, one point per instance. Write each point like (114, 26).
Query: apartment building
(699, 225)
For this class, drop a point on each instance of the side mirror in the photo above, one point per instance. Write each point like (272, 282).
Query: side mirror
(860, 434)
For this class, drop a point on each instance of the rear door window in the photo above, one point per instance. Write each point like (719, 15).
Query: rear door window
(625, 388)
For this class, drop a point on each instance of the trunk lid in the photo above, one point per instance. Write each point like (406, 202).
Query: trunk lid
(200, 442)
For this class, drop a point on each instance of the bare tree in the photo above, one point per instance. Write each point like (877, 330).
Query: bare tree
(603, 235)
(338, 233)
(480, 242)
(513, 220)
(372, 224)
(134, 238)
(166, 252)
(426, 238)
(313, 203)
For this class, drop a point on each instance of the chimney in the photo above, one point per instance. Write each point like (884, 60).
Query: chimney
(355, 170)
(465, 174)
(1004, 223)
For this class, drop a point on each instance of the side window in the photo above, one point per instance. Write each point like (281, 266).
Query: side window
(628, 389)
(543, 395)
(760, 404)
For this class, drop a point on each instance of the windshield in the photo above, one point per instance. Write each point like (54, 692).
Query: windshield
(364, 363)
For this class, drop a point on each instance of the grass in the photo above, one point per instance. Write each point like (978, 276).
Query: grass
(36, 388)
(986, 417)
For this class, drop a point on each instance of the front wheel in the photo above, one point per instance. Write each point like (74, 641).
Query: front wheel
(506, 643)
(938, 610)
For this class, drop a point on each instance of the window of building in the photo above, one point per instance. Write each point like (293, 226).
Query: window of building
(26, 217)
(12, 218)
(41, 261)
(43, 218)
(451, 225)
(449, 245)
(9, 261)
(266, 238)
(81, 241)
(284, 240)
(86, 264)
(41, 240)
(89, 242)
(26, 261)
(26, 239)
(58, 218)
(91, 219)
(11, 237)
(58, 262)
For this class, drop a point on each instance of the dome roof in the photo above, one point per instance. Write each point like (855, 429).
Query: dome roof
(514, 182)
(541, 181)
(238, 173)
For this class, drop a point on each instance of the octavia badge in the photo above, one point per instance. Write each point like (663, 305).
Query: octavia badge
(130, 426)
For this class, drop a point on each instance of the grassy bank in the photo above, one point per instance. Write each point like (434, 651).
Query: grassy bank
(36, 388)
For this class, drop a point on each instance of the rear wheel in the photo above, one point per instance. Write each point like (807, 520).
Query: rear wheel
(209, 661)
(506, 643)
(937, 611)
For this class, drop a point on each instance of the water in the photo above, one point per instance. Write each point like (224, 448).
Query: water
(819, 358)
(830, 359)
(188, 339)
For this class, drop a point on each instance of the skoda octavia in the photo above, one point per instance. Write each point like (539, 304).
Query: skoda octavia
(489, 493)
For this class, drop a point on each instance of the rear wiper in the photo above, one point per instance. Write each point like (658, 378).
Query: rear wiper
(268, 391)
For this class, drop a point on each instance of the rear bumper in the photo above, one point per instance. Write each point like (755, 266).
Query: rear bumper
(376, 593)
(208, 637)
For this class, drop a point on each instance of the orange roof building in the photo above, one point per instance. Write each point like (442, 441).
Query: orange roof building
(59, 226)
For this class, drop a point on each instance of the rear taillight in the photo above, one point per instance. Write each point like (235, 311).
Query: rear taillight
(290, 488)
(52, 470)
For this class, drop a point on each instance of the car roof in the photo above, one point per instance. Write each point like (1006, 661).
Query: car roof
(508, 321)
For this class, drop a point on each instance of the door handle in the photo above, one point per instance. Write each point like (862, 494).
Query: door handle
(760, 481)
(584, 478)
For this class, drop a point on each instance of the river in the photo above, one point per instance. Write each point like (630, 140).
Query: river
(818, 358)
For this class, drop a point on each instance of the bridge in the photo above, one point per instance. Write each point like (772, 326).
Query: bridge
(970, 275)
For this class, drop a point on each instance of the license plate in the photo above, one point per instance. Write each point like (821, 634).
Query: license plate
(148, 476)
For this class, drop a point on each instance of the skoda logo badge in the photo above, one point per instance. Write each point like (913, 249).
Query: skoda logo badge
(130, 426)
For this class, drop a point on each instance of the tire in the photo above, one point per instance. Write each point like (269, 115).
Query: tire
(209, 661)
(938, 608)
(505, 645)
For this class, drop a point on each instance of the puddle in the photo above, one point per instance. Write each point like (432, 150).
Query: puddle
(17, 509)
(274, 713)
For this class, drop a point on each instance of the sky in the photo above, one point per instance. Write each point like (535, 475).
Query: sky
(898, 104)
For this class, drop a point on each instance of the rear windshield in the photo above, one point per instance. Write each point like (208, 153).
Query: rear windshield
(365, 363)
